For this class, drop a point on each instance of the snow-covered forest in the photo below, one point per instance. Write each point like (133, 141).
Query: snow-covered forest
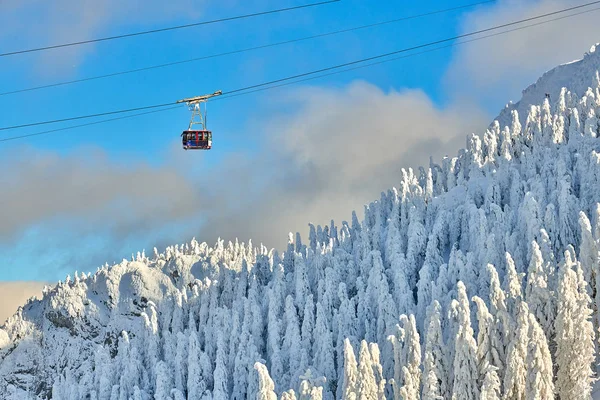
(478, 277)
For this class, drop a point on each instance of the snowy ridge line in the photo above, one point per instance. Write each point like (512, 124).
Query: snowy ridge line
(475, 278)
(574, 75)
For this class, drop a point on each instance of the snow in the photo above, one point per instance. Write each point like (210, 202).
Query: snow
(576, 75)
(458, 279)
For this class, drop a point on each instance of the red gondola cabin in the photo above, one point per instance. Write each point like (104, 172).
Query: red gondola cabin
(196, 140)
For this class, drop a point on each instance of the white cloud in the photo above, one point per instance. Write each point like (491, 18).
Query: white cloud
(495, 70)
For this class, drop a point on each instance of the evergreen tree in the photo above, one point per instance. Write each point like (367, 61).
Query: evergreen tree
(311, 387)
(351, 376)
(346, 321)
(292, 354)
(378, 370)
(538, 294)
(266, 387)
(195, 384)
(502, 319)
(323, 350)
(487, 340)
(516, 369)
(588, 254)
(126, 381)
(181, 360)
(366, 385)
(409, 390)
(220, 376)
(539, 383)
(274, 331)
(465, 358)
(590, 263)
(412, 351)
(490, 388)
(289, 395)
(575, 335)
(163, 382)
(513, 286)
(434, 369)
(308, 325)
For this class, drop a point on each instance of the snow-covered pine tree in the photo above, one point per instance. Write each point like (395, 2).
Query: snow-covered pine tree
(195, 382)
(274, 329)
(516, 357)
(289, 395)
(513, 286)
(434, 368)
(589, 255)
(378, 370)
(575, 335)
(351, 377)
(487, 341)
(323, 352)
(412, 351)
(311, 387)
(220, 374)
(539, 382)
(181, 360)
(346, 321)
(366, 386)
(292, 356)
(538, 295)
(163, 382)
(490, 388)
(503, 320)
(266, 387)
(465, 358)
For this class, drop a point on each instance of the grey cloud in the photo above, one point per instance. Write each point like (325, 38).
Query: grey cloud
(90, 187)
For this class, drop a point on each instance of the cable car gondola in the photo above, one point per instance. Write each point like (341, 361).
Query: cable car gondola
(197, 139)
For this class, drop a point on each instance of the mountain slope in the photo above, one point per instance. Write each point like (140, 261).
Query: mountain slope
(455, 284)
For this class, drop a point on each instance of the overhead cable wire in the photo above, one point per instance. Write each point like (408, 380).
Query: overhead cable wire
(404, 56)
(352, 63)
(305, 79)
(408, 49)
(171, 28)
(89, 116)
(248, 49)
(86, 124)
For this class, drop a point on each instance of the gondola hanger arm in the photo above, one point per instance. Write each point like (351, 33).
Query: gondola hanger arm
(200, 99)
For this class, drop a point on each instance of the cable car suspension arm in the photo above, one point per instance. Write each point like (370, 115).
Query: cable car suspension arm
(195, 106)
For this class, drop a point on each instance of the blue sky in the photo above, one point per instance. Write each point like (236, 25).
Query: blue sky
(228, 72)
(229, 189)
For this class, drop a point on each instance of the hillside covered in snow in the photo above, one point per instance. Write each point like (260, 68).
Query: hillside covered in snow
(476, 278)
